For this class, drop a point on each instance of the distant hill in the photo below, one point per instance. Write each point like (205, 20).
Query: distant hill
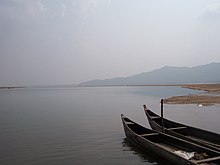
(209, 73)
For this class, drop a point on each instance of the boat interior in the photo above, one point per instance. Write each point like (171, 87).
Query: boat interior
(152, 115)
(168, 124)
(190, 132)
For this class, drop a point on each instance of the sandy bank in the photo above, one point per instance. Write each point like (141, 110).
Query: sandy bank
(209, 97)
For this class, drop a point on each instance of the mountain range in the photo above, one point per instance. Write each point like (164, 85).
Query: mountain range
(209, 73)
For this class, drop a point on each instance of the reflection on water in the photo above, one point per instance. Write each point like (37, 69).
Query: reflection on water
(145, 156)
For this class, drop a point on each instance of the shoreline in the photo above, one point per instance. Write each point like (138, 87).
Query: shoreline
(10, 87)
(210, 96)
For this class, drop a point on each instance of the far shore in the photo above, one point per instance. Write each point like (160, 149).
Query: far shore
(10, 87)
(209, 96)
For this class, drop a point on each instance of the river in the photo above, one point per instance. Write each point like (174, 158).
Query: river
(81, 125)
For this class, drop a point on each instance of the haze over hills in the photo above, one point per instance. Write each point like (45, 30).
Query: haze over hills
(209, 73)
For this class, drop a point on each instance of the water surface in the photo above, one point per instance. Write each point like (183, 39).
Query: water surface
(82, 125)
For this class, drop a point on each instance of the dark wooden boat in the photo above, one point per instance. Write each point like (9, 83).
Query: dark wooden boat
(199, 136)
(166, 146)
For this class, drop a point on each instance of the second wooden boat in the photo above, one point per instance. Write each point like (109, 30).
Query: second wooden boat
(199, 136)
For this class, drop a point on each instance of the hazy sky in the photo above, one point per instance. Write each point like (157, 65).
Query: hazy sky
(71, 41)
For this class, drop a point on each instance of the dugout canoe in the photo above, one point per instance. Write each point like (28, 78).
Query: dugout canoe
(196, 135)
(166, 146)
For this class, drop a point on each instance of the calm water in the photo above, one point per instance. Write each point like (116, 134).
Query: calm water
(83, 126)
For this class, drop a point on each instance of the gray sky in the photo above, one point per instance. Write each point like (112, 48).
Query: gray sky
(70, 41)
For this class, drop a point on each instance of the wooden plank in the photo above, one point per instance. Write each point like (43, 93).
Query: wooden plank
(207, 160)
(170, 129)
(155, 117)
(127, 122)
(149, 134)
(203, 141)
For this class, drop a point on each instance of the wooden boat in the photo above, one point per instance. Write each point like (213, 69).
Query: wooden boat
(166, 146)
(202, 137)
